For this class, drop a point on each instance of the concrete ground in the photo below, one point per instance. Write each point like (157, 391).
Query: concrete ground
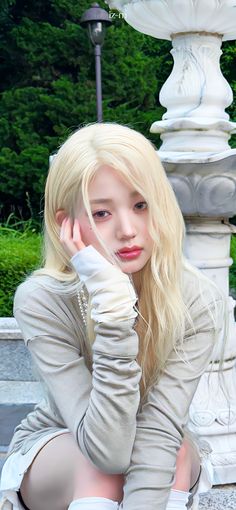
(221, 497)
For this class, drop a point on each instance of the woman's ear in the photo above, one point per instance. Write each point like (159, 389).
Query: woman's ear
(60, 216)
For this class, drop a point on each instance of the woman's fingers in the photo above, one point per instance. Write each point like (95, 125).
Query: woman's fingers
(70, 236)
(77, 235)
(66, 237)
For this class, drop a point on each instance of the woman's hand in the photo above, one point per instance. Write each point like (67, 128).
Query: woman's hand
(112, 294)
(70, 236)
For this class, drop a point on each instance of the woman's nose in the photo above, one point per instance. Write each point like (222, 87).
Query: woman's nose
(126, 228)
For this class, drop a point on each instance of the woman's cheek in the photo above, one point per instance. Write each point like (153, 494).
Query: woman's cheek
(87, 234)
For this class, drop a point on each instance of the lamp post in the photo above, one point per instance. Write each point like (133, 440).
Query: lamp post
(95, 20)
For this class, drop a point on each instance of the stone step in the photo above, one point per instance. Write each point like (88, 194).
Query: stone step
(17, 399)
(19, 388)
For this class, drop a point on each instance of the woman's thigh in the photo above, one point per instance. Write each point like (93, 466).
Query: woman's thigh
(187, 466)
(60, 473)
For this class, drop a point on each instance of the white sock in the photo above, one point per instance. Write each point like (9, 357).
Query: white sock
(93, 504)
(177, 500)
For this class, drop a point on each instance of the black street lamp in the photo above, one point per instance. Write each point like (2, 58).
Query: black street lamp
(96, 19)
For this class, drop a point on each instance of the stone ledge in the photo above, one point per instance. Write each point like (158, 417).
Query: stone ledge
(16, 362)
(9, 329)
(20, 392)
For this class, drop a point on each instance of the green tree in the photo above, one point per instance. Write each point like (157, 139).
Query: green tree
(48, 87)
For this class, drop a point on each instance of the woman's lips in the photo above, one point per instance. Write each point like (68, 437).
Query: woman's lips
(129, 254)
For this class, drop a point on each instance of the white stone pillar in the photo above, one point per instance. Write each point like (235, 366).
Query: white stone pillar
(201, 167)
(195, 117)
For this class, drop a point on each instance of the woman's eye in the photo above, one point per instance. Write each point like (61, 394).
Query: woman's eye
(100, 215)
(141, 205)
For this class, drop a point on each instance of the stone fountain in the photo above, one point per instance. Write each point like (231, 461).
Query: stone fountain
(201, 166)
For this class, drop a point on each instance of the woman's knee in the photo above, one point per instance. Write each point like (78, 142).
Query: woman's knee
(94, 483)
(61, 473)
(187, 466)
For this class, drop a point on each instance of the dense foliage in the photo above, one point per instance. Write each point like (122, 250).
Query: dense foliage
(48, 87)
(19, 255)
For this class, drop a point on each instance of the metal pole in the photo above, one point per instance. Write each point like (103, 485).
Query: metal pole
(97, 51)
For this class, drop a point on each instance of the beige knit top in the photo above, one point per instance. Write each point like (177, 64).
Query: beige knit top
(101, 407)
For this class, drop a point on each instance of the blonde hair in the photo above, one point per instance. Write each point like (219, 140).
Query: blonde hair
(162, 312)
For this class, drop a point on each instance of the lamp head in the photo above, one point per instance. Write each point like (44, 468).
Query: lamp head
(96, 20)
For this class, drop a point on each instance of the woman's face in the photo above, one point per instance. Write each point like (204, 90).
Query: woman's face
(121, 216)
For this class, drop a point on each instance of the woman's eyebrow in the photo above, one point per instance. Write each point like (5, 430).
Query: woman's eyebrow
(109, 200)
(100, 200)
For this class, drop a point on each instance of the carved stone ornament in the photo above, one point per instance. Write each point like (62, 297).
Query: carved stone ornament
(215, 413)
(211, 196)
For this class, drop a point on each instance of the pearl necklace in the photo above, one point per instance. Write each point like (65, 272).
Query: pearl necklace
(83, 304)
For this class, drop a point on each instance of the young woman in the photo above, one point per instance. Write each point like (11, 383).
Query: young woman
(120, 328)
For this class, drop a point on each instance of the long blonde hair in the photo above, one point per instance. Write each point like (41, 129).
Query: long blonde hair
(162, 311)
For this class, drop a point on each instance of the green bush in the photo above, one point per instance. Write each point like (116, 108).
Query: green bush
(19, 255)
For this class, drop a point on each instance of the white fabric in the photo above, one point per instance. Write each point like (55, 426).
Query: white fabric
(93, 504)
(177, 500)
(88, 262)
(113, 296)
(207, 476)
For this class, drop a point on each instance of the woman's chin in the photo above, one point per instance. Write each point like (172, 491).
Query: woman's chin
(132, 267)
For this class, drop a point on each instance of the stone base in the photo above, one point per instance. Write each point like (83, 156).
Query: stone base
(218, 499)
